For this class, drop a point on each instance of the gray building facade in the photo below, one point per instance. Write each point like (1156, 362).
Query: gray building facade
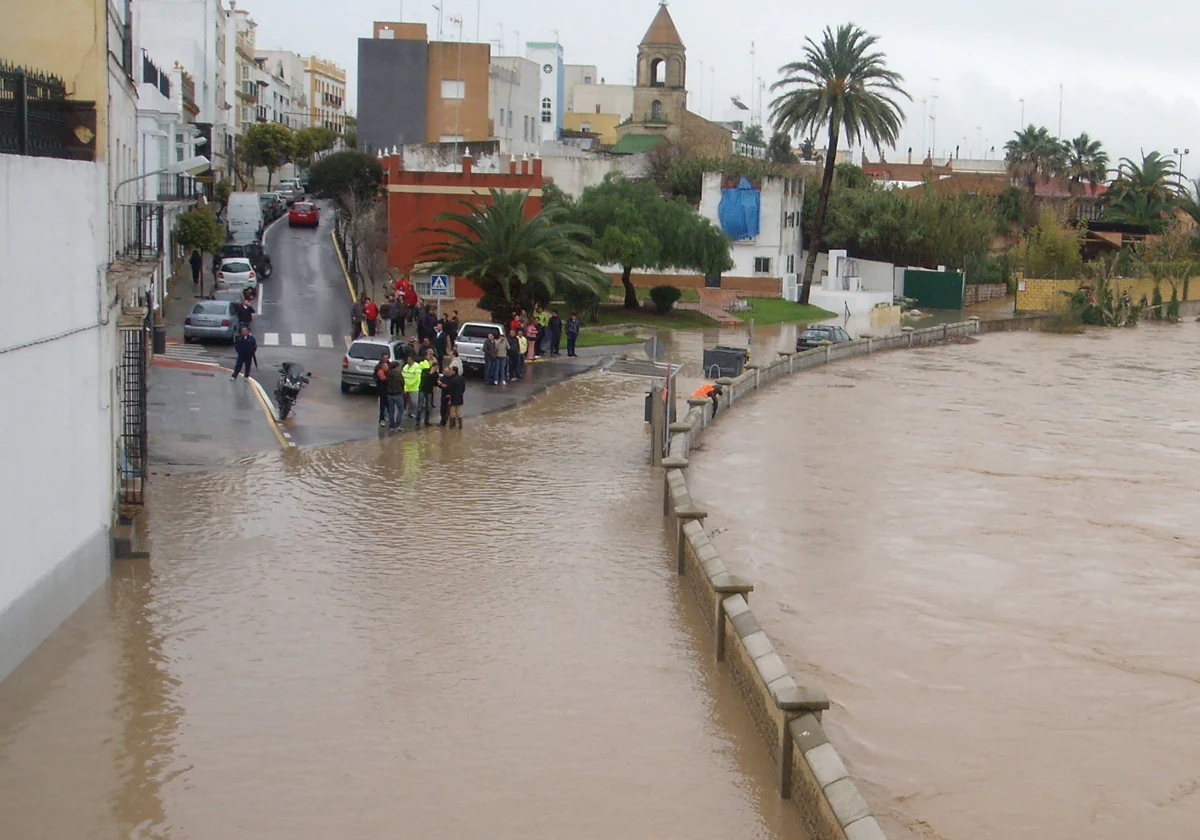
(393, 79)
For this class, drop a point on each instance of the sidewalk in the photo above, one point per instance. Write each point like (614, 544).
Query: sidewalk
(199, 418)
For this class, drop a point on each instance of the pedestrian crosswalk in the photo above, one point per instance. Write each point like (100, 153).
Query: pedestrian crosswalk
(325, 341)
(189, 353)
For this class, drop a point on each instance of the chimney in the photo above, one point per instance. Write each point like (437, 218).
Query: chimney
(524, 164)
(466, 162)
(512, 165)
(537, 167)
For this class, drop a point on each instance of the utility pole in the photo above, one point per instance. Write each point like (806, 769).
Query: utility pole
(752, 78)
(1022, 101)
(933, 96)
(700, 92)
(924, 119)
(1060, 104)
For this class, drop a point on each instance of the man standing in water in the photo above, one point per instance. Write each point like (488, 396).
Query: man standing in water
(381, 386)
(456, 387)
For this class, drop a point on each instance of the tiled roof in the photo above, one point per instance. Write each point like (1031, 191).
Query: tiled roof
(632, 144)
(662, 30)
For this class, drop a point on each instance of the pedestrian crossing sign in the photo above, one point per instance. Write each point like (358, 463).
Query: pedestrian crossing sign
(439, 285)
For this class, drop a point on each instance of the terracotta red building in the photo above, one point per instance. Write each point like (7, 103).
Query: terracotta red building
(416, 198)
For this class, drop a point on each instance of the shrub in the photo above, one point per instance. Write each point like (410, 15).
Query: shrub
(1156, 301)
(199, 229)
(1173, 306)
(665, 298)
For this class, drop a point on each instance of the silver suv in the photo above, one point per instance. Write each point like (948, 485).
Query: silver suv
(471, 336)
(358, 365)
(290, 190)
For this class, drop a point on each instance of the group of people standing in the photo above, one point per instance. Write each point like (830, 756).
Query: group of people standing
(406, 388)
(529, 336)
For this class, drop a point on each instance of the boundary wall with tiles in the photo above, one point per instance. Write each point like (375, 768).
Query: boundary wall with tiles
(786, 714)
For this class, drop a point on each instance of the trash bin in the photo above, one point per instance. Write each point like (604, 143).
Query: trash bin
(160, 339)
(725, 361)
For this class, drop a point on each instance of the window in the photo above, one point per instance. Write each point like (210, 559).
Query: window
(656, 112)
(791, 264)
(510, 119)
(587, 80)
(658, 73)
(454, 89)
(762, 265)
(547, 112)
(502, 118)
(245, 72)
(585, 126)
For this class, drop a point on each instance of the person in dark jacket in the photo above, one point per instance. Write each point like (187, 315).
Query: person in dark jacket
(196, 261)
(246, 347)
(244, 312)
(395, 396)
(555, 326)
(356, 321)
(429, 381)
(399, 315)
(456, 387)
(574, 325)
(441, 341)
(381, 386)
(516, 362)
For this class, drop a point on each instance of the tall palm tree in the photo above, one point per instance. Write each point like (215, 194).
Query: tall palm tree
(1086, 163)
(1033, 156)
(1144, 193)
(496, 246)
(843, 83)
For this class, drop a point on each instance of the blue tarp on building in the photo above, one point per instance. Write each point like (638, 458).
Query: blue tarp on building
(738, 211)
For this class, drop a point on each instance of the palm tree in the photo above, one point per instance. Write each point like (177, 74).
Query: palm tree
(1033, 156)
(1145, 193)
(506, 253)
(843, 83)
(1086, 163)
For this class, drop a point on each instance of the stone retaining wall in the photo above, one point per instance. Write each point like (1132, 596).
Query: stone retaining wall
(786, 714)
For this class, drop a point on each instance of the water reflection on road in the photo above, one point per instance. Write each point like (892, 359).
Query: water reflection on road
(443, 635)
(987, 555)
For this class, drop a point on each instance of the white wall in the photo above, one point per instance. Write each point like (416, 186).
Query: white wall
(514, 87)
(780, 204)
(553, 85)
(56, 373)
(573, 175)
(876, 276)
(611, 99)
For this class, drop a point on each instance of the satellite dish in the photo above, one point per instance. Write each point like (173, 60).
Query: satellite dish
(655, 349)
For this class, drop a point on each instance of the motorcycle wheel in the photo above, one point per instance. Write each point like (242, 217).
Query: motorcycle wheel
(266, 272)
(285, 408)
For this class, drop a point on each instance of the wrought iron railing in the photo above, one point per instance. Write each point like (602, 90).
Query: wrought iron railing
(152, 75)
(178, 188)
(37, 119)
(134, 411)
(139, 231)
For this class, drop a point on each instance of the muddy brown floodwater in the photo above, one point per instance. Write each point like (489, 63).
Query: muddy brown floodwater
(989, 556)
(434, 636)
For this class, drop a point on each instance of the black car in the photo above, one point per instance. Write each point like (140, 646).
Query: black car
(819, 334)
(252, 251)
(273, 205)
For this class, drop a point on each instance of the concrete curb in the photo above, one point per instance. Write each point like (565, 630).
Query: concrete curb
(787, 714)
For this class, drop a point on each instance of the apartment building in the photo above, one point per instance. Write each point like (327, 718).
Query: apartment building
(326, 91)
(288, 76)
(514, 95)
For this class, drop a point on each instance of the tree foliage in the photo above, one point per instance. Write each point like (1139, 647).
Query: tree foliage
(753, 134)
(779, 149)
(665, 298)
(1085, 163)
(635, 227)
(684, 177)
(312, 141)
(845, 84)
(511, 257)
(1145, 193)
(198, 229)
(268, 145)
(1053, 250)
(345, 173)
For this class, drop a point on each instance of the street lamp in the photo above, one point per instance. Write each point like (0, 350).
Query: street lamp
(1181, 153)
(192, 166)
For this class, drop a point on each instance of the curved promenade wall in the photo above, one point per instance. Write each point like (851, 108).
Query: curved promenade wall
(786, 713)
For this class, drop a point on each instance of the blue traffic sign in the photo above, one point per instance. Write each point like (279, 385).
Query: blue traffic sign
(439, 285)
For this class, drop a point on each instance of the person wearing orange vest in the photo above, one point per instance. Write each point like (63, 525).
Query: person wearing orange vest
(707, 391)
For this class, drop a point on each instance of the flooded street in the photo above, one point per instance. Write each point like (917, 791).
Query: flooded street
(989, 556)
(441, 635)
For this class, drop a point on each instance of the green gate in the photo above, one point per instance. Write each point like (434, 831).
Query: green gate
(934, 289)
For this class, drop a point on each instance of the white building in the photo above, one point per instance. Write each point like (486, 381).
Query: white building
(275, 96)
(514, 92)
(602, 99)
(192, 35)
(775, 250)
(288, 68)
(548, 55)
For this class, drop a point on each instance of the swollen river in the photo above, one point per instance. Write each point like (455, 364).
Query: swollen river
(444, 635)
(989, 556)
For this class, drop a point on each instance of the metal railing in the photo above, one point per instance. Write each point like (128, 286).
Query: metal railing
(139, 230)
(134, 410)
(152, 75)
(37, 119)
(178, 188)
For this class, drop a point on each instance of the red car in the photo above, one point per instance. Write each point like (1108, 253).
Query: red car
(303, 213)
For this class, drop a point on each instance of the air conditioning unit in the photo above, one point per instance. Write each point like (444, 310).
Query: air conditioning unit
(791, 287)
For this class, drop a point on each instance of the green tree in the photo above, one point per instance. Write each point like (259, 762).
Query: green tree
(851, 176)
(1145, 193)
(845, 84)
(199, 229)
(1052, 250)
(753, 134)
(347, 172)
(350, 136)
(1085, 163)
(779, 150)
(1033, 156)
(808, 149)
(221, 192)
(511, 257)
(635, 227)
(268, 145)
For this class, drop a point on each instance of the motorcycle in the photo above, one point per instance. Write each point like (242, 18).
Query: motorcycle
(287, 388)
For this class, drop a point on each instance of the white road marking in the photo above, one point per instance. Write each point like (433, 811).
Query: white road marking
(261, 303)
(271, 339)
(299, 340)
(347, 339)
(325, 340)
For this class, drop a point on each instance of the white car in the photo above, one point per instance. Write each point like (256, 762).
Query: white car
(290, 190)
(471, 336)
(236, 273)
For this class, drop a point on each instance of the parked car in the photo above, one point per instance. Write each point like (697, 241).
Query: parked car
(273, 205)
(231, 295)
(819, 334)
(358, 365)
(304, 213)
(244, 217)
(236, 273)
(252, 251)
(291, 190)
(210, 320)
(471, 336)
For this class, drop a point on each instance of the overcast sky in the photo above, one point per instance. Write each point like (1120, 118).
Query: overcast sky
(1127, 71)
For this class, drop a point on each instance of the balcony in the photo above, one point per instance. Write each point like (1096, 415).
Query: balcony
(188, 89)
(332, 101)
(152, 75)
(245, 48)
(37, 118)
(248, 92)
(138, 231)
(178, 188)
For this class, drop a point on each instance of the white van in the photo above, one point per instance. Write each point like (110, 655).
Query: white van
(244, 217)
